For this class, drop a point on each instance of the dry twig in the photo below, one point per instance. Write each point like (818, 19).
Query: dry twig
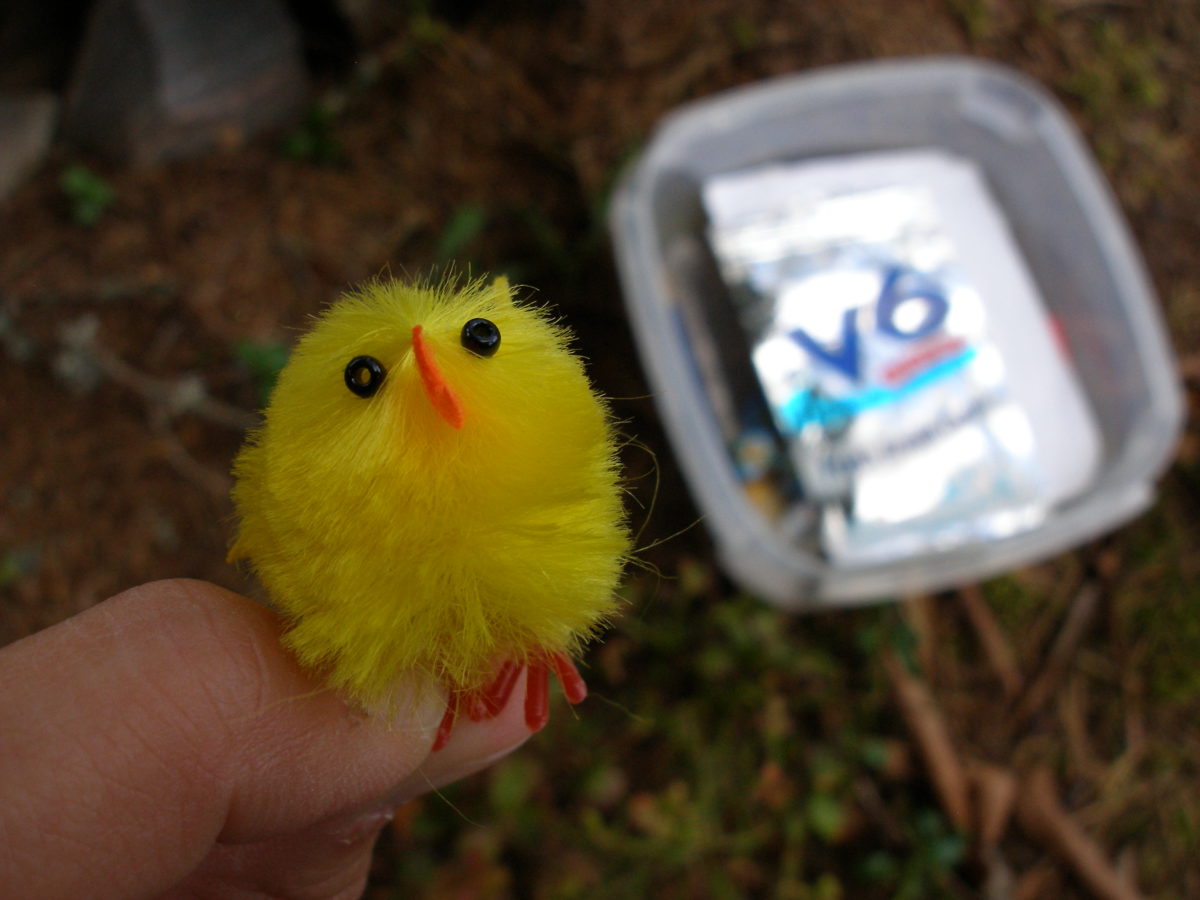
(995, 791)
(1073, 715)
(1075, 625)
(999, 882)
(1038, 882)
(166, 397)
(928, 728)
(920, 612)
(186, 394)
(1043, 816)
(993, 640)
(173, 451)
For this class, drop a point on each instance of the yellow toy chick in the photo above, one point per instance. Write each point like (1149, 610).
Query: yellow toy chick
(434, 492)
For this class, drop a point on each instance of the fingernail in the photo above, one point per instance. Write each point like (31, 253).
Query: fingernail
(413, 706)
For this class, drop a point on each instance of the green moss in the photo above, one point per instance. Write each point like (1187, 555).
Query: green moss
(1123, 75)
(1169, 626)
(315, 139)
(1013, 603)
(975, 16)
(265, 360)
(88, 194)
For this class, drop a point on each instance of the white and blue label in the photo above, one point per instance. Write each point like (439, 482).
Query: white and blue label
(903, 349)
(921, 353)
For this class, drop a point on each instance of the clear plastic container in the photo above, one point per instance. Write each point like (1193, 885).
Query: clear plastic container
(1087, 373)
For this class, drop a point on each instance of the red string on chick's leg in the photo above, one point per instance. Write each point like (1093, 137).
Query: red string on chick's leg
(488, 702)
(537, 697)
(537, 691)
(574, 688)
(447, 724)
(480, 705)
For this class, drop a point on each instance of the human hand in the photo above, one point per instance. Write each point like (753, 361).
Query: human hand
(163, 743)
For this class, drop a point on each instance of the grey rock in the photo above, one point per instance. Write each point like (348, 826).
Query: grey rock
(162, 79)
(26, 129)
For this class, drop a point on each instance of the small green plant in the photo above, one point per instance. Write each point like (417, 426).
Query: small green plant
(1122, 76)
(976, 16)
(461, 231)
(11, 570)
(16, 564)
(89, 195)
(923, 869)
(315, 140)
(745, 32)
(428, 30)
(888, 631)
(265, 360)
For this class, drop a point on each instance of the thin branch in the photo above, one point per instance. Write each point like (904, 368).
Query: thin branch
(187, 394)
(928, 728)
(993, 640)
(994, 789)
(1043, 816)
(1075, 625)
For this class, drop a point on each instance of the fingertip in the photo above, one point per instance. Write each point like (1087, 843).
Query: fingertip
(471, 747)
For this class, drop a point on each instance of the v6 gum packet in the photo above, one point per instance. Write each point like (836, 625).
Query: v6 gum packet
(909, 365)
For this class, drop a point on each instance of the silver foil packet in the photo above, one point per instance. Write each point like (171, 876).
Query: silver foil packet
(910, 369)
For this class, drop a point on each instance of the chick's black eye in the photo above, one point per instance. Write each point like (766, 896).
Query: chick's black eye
(364, 375)
(481, 337)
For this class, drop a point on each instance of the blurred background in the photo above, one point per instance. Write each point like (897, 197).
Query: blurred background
(184, 183)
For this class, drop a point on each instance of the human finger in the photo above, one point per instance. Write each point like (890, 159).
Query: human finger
(168, 719)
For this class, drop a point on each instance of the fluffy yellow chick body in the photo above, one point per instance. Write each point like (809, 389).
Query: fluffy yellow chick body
(418, 503)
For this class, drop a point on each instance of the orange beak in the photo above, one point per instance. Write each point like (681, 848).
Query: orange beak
(439, 392)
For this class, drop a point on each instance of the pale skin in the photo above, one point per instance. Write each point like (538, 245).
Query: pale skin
(162, 744)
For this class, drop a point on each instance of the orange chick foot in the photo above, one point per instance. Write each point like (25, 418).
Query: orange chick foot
(489, 701)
